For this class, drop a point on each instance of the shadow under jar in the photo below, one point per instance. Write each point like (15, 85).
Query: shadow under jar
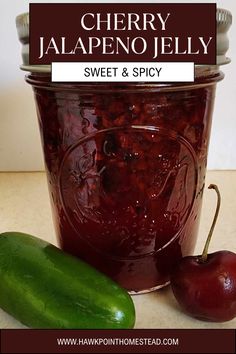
(126, 166)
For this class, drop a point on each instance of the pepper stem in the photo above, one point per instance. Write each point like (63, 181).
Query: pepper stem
(205, 250)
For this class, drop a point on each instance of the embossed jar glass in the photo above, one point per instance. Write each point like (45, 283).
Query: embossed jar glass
(126, 167)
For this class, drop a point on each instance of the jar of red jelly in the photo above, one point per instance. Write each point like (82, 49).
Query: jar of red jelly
(126, 165)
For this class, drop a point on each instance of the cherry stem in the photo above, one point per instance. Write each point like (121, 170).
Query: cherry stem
(205, 250)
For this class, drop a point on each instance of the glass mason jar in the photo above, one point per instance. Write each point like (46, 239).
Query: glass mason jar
(126, 166)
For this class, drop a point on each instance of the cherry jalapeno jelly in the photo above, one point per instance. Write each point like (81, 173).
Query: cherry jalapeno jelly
(126, 166)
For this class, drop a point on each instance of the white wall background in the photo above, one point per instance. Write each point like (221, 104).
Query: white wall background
(19, 137)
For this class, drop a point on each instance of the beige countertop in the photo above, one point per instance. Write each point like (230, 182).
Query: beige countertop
(24, 206)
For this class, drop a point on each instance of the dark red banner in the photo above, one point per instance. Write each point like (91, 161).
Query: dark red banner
(122, 33)
(118, 341)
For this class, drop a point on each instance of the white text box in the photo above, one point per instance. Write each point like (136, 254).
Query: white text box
(122, 72)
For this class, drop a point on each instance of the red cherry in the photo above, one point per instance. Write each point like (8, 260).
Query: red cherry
(205, 286)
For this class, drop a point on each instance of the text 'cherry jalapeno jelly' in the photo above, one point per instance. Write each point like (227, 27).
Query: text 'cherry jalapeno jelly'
(126, 166)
